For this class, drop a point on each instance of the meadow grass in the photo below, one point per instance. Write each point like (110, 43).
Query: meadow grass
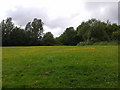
(60, 67)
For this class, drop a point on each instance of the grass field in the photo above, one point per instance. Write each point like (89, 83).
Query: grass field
(60, 67)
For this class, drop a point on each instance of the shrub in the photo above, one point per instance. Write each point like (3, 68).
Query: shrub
(85, 43)
(106, 43)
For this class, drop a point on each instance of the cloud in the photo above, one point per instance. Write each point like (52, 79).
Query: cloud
(119, 13)
(103, 10)
(58, 15)
(22, 15)
(59, 22)
(55, 31)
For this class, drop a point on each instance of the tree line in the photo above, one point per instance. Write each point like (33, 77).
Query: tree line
(33, 34)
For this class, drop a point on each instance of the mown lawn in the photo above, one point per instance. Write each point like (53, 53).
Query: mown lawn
(60, 67)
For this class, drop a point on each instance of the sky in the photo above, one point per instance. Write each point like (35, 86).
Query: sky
(57, 15)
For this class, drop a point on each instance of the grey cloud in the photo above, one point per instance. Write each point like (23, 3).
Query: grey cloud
(23, 15)
(119, 13)
(59, 22)
(111, 11)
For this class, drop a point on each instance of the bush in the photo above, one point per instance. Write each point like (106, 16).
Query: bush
(106, 43)
(85, 43)
(99, 43)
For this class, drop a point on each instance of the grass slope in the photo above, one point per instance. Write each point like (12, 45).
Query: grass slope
(60, 67)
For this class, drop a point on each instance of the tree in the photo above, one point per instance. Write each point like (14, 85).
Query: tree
(18, 37)
(69, 37)
(48, 39)
(6, 27)
(116, 35)
(34, 30)
(110, 28)
(81, 30)
(37, 28)
(90, 31)
(93, 30)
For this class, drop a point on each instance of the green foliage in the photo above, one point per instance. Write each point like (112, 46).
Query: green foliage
(85, 43)
(92, 30)
(57, 42)
(18, 37)
(96, 31)
(35, 31)
(48, 39)
(81, 30)
(69, 37)
(87, 33)
(12, 35)
(116, 35)
(106, 43)
(6, 26)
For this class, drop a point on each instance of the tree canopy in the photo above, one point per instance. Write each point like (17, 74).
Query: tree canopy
(48, 39)
(69, 37)
(92, 30)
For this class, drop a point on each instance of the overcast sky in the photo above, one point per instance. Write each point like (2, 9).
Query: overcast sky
(57, 15)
